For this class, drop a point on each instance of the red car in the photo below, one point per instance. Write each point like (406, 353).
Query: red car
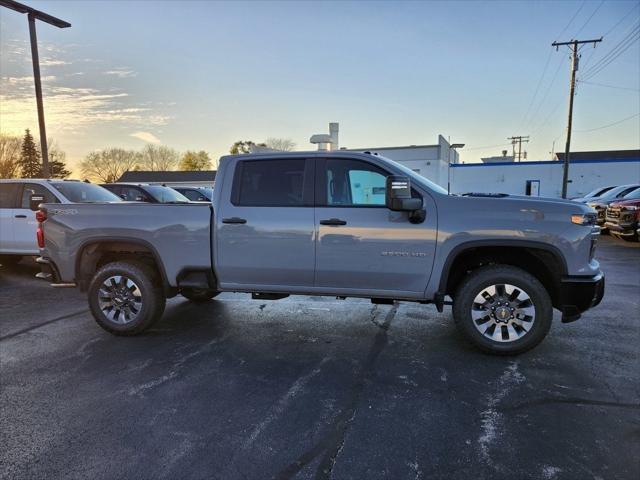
(623, 218)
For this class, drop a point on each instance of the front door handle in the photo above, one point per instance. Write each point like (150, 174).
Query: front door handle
(333, 221)
(21, 216)
(232, 220)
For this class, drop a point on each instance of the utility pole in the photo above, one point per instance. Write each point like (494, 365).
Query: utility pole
(573, 46)
(519, 141)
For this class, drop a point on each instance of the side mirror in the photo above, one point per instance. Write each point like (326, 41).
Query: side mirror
(398, 198)
(35, 200)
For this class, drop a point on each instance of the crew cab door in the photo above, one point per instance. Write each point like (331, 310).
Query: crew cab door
(264, 238)
(24, 219)
(363, 247)
(8, 199)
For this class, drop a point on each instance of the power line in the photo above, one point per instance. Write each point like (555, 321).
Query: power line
(610, 86)
(620, 47)
(602, 65)
(590, 17)
(572, 18)
(487, 147)
(616, 25)
(610, 124)
(546, 93)
(546, 65)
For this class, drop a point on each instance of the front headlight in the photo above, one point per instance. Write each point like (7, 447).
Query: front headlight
(631, 208)
(584, 219)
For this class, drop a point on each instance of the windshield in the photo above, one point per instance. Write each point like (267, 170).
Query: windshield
(165, 194)
(598, 192)
(633, 195)
(81, 192)
(419, 179)
(618, 192)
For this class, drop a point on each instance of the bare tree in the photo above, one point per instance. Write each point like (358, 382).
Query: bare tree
(9, 154)
(280, 144)
(156, 158)
(109, 164)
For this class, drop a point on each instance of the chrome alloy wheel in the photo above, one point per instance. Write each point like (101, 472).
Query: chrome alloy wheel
(503, 313)
(120, 299)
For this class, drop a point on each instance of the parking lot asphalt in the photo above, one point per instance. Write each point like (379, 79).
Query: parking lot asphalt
(315, 388)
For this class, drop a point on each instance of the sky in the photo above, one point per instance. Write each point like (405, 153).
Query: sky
(201, 75)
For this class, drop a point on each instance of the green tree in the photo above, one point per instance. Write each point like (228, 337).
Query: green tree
(195, 161)
(244, 146)
(29, 162)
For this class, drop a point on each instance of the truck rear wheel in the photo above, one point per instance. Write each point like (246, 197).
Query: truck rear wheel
(199, 294)
(502, 309)
(125, 298)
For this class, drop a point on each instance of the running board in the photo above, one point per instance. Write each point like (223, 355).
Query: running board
(269, 296)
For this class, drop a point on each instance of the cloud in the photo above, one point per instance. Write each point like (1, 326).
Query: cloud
(27, 80)
(49, 62)
(72, 102)
(121, 73)
(146, 137)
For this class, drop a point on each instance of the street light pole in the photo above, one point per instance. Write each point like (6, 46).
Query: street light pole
(33, 15)
(38, 84)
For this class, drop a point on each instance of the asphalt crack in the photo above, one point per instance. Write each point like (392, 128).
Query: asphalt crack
(34, 327)
(333, 443)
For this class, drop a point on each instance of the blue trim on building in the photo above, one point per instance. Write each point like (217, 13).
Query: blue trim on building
(546, 162)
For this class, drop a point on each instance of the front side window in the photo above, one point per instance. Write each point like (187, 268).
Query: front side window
(354, 183)
(35, 189)
(270, 183)
(133, 194)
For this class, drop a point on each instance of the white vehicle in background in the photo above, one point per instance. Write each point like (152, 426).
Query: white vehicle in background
(18, 223)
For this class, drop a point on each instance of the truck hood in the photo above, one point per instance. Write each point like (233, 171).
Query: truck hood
(626, 203)
(541, 203)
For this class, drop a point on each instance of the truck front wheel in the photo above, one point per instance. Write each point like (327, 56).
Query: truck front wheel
(125, 298)
(502, 309)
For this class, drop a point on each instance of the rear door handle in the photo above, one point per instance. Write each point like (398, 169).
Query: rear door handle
(237, 220)
(333, 221)
(21, 216)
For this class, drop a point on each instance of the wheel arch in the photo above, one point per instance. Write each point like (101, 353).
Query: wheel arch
(542, 260)
(92, 252)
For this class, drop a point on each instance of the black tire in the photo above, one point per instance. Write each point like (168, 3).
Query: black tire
(10, 260)
(151, 294)
(199, 294)
(485, 277)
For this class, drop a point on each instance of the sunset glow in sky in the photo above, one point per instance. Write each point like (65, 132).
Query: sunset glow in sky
(201, 75)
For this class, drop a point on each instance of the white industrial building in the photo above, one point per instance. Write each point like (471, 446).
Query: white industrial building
(544, 178)
(440, 164)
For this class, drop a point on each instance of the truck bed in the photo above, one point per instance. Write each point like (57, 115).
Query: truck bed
(178, 234)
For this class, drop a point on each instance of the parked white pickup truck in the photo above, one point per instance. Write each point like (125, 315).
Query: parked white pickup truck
(18, 223)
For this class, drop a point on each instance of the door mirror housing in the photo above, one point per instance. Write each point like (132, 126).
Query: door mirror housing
(398, 198)
(35, 200)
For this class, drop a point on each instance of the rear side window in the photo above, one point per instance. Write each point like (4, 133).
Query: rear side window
(272, 183)
(35, 189)
(8, 193)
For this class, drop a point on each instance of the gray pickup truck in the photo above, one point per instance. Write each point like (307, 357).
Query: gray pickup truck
(343, 224)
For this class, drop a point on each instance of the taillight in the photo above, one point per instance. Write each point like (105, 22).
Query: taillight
(41, 216)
